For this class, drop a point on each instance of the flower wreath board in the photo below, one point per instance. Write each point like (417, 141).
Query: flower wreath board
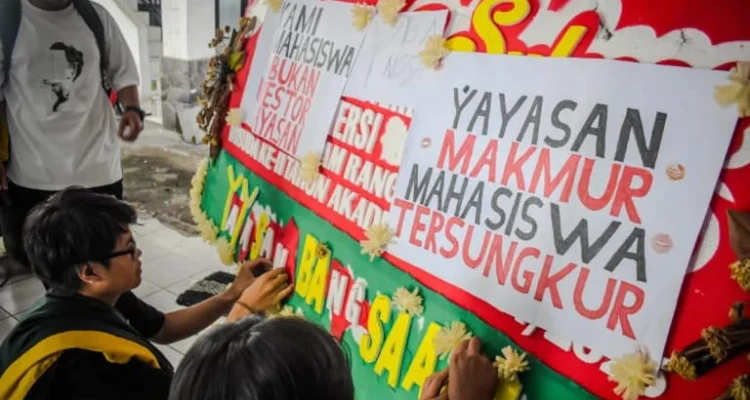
(423, 184)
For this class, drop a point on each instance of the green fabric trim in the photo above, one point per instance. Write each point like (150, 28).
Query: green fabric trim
(540, 383)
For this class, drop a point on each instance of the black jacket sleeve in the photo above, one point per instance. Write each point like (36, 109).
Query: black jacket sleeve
(146, 319)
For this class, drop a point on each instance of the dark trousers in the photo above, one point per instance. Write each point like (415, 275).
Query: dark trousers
(22, 200)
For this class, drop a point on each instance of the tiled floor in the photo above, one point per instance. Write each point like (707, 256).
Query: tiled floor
(171, 264)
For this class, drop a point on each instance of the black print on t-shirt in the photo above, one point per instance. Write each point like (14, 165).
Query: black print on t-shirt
(61, 86)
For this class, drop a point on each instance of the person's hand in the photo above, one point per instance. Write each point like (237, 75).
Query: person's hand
(246, 276)
(130, 126)
(432, 386)
(267, 291)
(471, 375)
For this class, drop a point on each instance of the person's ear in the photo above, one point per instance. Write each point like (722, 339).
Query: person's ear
(91, 273)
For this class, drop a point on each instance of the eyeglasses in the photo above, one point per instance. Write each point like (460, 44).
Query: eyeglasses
(132, 250)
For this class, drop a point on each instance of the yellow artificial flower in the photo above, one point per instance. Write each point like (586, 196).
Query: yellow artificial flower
(389, 9)
(448, 338)
(632, 373)
(309, 168)
(409, 302)
(226, 251)
(234, 117)
(361, 16)
(273, 5)
(434, 51)
(737, 91)
(510, 364)
(379, 236)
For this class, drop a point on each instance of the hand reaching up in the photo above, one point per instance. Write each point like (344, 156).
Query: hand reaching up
(470, 376)
(266, 291)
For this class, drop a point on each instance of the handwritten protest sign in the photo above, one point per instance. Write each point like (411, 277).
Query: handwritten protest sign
(388, 68)
(359, 164)
(259, 64)
(312, 52)
(568, 193)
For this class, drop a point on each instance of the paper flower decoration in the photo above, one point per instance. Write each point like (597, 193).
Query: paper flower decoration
(510, 364)
(739, 389)
(234, 117)
(633, 373)
(448, 338)
(322, 250)
(206, 228)
(409, 302)
(434, 51)
(379, 236)
(196, 183)
(393, 140)
(361, 16)
(309, 168)
(273, 5)
(288, 311)
(680, 365)
(741, 273)
(285, 311)
(737, 91)
(226, 251)
(389, 9)
(739, 241)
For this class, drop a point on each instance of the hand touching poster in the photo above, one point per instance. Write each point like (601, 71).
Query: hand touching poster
(313, 47)
(568, 193)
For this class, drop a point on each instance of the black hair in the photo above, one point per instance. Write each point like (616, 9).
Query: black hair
(71, 228)
(283, 358)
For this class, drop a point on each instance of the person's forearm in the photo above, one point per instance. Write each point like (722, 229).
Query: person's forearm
(128, 97)
(187, 322)
(238, 312)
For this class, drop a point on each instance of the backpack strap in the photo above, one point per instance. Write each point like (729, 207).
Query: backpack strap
(10, 22)
(87, 11)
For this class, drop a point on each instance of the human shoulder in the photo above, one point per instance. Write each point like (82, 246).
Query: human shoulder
(108, 21)
(102, 11)
(90, 374)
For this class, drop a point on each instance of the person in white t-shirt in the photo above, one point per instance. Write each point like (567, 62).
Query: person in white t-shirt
(63, 129)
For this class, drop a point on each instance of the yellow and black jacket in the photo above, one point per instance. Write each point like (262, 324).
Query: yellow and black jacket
(71, 346)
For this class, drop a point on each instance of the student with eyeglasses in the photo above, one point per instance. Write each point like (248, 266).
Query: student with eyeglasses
(90, 336)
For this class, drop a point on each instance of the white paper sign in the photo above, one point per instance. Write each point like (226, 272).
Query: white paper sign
(259, 62)
(312, 48)
(568, 193)
(388, 69)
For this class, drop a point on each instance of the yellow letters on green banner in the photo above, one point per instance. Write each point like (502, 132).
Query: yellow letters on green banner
(316, 294)
(232, 220)
(312, 274)
(234, 185)
(425, 360)
(260, 229)
(392, 355)
(507, 390)
(306, 265)
(247, 202)
(380, 313)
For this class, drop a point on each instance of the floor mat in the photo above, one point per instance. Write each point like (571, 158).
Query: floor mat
(214, 284)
